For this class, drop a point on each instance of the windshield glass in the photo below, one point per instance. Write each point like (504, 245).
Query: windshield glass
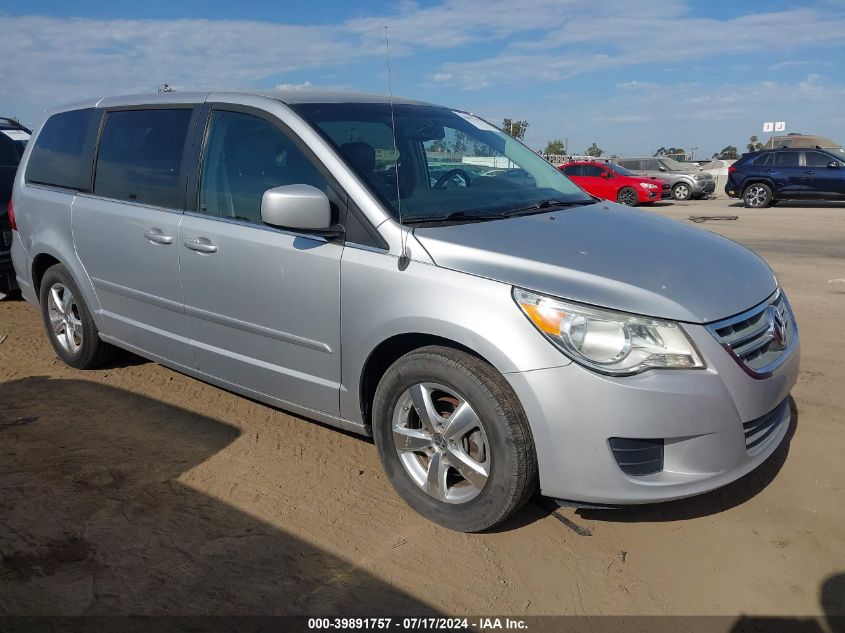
(674, 165)
(620, 170)
(448, 162)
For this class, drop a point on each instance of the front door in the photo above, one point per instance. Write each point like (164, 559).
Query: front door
(263, 304)
(822, 179)
(126, 232)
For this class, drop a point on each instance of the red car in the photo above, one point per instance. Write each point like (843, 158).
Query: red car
(612, 182)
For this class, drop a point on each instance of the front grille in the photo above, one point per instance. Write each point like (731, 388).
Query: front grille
(637, 457)
(759, 338)
(759, 430)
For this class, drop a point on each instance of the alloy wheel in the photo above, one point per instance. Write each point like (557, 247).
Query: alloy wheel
(682, 192)
(65, 321)
(441, 442)
(628, 197)
(756, 196)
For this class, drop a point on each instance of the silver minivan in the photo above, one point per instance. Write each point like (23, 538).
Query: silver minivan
(411, 272)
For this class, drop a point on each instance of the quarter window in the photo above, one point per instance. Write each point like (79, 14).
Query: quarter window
(63, 149)
(140, 156)
(762, 161)
(245, 156)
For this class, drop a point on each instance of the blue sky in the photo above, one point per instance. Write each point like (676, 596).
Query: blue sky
(631, 76)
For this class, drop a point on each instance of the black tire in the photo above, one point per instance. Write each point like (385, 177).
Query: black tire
(757, 195)
(91, 351)
(512, 477)
(627, 196)
(682, 191)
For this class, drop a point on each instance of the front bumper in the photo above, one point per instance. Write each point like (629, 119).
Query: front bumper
(703, 187)
(698, 415)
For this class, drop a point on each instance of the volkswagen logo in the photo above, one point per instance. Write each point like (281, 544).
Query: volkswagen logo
(777, 326)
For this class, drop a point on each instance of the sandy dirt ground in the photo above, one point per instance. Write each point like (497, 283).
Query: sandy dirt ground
(134, 489)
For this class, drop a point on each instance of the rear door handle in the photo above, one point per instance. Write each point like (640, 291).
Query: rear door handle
(157, 237)
(201, 245)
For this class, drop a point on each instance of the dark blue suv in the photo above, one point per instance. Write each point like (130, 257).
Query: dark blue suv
(762, 178)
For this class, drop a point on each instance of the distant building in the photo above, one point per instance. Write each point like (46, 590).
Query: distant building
(801, 140)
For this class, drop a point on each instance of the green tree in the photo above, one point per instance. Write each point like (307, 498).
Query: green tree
(754, 144)
(437, 146)
(594, 150)
(556, 147)
(516, 129)
(671, 152)
(728, 153)
(461, 143)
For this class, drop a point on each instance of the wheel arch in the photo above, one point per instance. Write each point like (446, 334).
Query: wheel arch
(389, 351)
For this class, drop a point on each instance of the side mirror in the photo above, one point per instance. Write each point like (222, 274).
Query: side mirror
(662, 168)
(298, 207)
(606, 174)
(833, 164)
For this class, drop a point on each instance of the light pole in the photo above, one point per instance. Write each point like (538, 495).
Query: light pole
(692, 153)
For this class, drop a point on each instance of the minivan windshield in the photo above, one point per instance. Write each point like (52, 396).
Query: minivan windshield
(446, 165)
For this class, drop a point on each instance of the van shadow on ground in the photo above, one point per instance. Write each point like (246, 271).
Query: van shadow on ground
(93, 519)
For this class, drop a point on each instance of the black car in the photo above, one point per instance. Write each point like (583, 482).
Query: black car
(13, 139)
(762, 178)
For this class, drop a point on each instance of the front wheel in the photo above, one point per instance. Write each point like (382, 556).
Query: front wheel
(453, 439)
(682, 191)
(627, 196)
(757, 196)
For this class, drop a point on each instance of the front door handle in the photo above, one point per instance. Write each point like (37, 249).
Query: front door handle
(157, 237)
(201, 245)
(809, 172)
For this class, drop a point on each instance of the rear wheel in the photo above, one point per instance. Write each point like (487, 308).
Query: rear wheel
(757, 196)
(453, 439)
(682, 191)
(627, 196)
(68, 322)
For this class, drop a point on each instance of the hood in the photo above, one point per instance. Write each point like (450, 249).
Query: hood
(612, 256)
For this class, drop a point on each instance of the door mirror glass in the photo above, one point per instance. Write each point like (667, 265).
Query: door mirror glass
(300, 207)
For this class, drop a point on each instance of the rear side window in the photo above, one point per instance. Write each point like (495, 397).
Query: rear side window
(785, 159)
(573, 170)
(140, 156)
(9, 156)
(63, 150)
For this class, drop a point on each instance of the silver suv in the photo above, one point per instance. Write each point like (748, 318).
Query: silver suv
(687, 181)
(407, 271)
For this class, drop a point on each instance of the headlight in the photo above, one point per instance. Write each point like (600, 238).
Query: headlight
(697, 177)
(648, 185)
(607, 341)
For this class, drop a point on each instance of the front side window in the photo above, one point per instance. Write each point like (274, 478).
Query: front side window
(140, 156)
(818, 159)
(651, 165)
(245, 156)
(444, 162)
(63, 149)
(620, 170)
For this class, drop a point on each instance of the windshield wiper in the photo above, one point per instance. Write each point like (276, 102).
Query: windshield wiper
(543, 205)
(457, 216)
